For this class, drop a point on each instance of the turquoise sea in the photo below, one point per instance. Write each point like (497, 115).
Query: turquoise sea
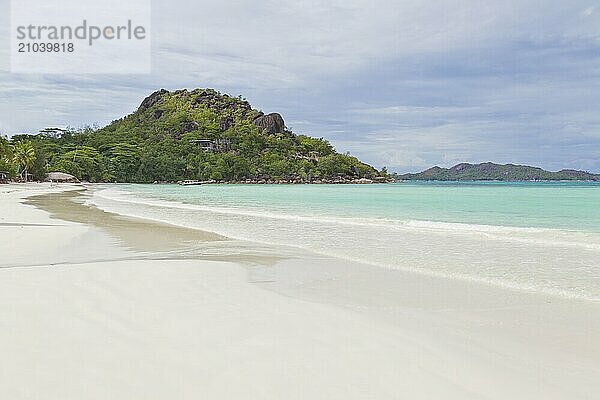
(535, 236)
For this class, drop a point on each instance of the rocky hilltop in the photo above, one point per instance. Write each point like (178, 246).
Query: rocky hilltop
(498, 172)
(198, 134)
(229, 109)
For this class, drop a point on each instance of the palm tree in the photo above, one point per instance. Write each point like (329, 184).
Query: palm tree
(24, 156)
(4, 148)
(5, 158)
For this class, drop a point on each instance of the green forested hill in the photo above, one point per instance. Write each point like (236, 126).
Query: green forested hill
(199, 134)
(498, 172)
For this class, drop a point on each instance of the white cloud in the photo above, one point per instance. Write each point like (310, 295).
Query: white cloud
(405, 84)
(588, 11)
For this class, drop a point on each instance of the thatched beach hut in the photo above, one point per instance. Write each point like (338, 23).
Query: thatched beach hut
(61, 177)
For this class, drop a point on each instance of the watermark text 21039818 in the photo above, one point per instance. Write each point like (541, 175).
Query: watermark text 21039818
(45, 47)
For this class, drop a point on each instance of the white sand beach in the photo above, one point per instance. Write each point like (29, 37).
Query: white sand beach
(90, 311)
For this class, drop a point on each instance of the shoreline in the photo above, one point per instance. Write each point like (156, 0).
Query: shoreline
(70, 207)
(275, 325)
(453, 249)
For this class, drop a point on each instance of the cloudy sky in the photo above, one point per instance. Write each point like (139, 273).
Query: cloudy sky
(400, 83)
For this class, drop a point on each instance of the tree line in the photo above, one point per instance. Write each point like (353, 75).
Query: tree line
(103, 156)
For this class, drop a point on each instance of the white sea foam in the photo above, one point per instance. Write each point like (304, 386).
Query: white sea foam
(559, 262)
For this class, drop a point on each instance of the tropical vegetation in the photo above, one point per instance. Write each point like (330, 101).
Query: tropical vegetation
(23, 157)
(199, 134)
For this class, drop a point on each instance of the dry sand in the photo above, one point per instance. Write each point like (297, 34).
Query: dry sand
(96, 306)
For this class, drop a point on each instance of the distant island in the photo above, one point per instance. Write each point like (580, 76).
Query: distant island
(497, 172)
(196, 134)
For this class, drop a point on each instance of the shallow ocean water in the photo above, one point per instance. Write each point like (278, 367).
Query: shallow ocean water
(541, 237)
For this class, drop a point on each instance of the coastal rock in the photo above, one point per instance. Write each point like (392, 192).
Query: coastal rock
(189, 126)
(153, 99)
(225, 123)
(270, 123)
(222, 103)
